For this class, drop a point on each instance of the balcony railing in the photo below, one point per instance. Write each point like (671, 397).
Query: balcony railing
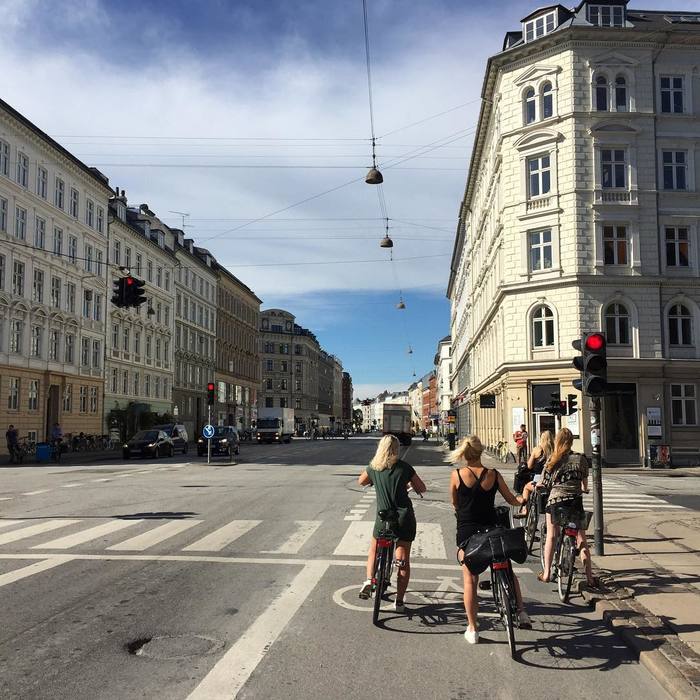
(533, 205)
(616, 196)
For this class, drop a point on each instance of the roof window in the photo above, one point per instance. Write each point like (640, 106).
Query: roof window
(606, 15)
(539, 26)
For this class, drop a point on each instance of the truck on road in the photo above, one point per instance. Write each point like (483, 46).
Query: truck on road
(397, 421)
(275, 425)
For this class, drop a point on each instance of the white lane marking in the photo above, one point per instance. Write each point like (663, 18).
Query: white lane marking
(83, 536)
(305, 528)
(6, 498)
(121, 476)
(154, 536)
(217, 540)
(32, 569)
(32, 530)
(429, 543)
(35, 493)
(69, 486)
(356, 539)
(352, 517)
(8, 523)
(102, 479)
(235, 667)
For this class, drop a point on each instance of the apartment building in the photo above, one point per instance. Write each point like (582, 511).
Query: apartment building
(141, 342)
(443, 371)
(53, 275)
(581, 213)
(237, 372)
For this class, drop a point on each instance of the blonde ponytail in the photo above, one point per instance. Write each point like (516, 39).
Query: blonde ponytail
(562, 446)
(468, 450)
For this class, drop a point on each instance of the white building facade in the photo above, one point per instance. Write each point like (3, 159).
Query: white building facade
(581, 213)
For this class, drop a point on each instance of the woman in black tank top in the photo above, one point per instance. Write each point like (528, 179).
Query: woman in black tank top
(473, 490)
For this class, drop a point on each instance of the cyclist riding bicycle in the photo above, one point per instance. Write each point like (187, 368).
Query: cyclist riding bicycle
(566, 473)
(391, 478)
(473, 491)
(536, 463)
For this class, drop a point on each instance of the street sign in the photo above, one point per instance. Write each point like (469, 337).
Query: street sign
(487, 400)
(208, 431)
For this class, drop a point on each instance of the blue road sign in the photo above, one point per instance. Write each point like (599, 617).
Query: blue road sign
(208, 431)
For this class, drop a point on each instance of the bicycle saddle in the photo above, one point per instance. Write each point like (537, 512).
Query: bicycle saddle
(388, 516)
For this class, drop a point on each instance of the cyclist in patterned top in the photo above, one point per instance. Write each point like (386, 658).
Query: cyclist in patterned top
(391, 478)
(566, 473)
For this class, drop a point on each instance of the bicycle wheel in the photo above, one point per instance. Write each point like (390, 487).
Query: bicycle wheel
(543, 539)
(567, 557)
(531, 526)
(506, 610)
(379, 573)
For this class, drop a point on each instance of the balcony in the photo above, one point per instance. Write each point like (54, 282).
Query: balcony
(625, 197)
(535, 205)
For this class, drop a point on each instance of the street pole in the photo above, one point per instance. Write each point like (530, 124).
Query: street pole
(597, 476)
(209, 439)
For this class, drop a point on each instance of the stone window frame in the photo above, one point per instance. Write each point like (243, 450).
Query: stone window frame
(691, 351)
(676, 71)
(690, 223)
(683, 397)
(632, 349)
(547, 351)
(675, 145)
(612, 66)
(634, 261)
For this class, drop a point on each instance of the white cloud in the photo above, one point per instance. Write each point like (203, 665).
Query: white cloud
(369, 391)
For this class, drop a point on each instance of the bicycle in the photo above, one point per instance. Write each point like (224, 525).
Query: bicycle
(536, 504)
(503, 452)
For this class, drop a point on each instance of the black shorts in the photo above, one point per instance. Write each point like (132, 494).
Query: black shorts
(575, 504)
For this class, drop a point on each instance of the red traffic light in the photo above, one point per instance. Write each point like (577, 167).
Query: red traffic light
(210, 386)
(595, 342)
(129, 280)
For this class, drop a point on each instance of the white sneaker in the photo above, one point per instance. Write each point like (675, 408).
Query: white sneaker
(366, 589)
(472, 636)
(399, 607)
(524, 619)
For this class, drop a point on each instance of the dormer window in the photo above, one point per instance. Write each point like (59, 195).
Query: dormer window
(606, 15)
(539, 26)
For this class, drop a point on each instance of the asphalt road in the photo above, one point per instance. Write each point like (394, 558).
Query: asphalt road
(178, 579)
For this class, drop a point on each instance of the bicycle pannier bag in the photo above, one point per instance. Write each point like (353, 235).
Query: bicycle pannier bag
(499, 542)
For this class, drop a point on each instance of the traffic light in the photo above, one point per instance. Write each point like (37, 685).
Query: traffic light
(571, 404)
(557, 407)
(135, 296)
(119, 292)
(592, 363)
(211, 393)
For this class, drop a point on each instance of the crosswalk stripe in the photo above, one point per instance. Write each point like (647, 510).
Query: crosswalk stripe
(31, 569)
(429, 543)
(32, 530)
(217, 540)
(84, 536)
(154, 536)
(356, 539)
(305, 528)
(8, 523)
(35, 493)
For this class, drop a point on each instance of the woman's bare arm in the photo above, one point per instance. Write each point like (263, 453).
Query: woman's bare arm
(418, 485)
(507, 494)
(534, 456)
(453, 488)
(364, 479)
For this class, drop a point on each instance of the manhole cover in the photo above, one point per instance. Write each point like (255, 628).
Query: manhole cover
(174, 647)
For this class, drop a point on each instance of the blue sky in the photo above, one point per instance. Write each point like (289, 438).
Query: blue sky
(232, 110)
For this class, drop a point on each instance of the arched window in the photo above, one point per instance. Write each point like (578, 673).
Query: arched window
(530, 106)
(680, 331)
(620, 93)
(617, 324)
(601, 93)
(547, 103)
(542, 327)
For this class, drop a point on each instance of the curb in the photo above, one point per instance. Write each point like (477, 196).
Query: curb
(674, 665)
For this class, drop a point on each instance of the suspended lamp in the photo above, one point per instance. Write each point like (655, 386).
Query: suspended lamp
(374, 177)
(401, 305)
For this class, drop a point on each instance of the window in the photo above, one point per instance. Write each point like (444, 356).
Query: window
(283, 402)
(83, 399)
(284, 367)
(683, 407)
(100, 220)
(539, 176)
(601, 93)
(540, 26)
(93, 399)
(33, 404)
(90, 213)
(125, 381)
(117, 253)
(297, 367)
(547, 101)
(20, 223)
(680, 330)
(620, 94)
(87, 303)
(74, 202)
(38, 287)
(4, 158)
(70, 297)
(53, 345)
(42, 182)
(159, 345)
(127, 257)
(35, 350)
(675, 168)
(269, 402)
(284, 349)
(137, 343)
(39, 233)
(97, 308)
(13, 396)
(59, 193)
(73, 250)
(96, 354)
(125, 339)
(2, 271)
(22, 169)
(159, 312)
(68, 398)
(159, 276)
(530, 106)
(540, 243)
(614, 168)
(18, 278)
(677, 246)
(69, 349)
(615, 245)
(166, 352)
(297, 403)
(56, 292)
(542, 327)
(149, 271)
(149, 344)
(269, 365)
(672, 94)
(167, 315)
(138, 263)
(297, 350)
(58, 241)
(297, 385)
(617, 324)
(136, 381)
(167, 281)
(283, 385)
(98, 262)
(115, 380)
(606, 15)
(88, 258)
(85, 352)
(3, 214)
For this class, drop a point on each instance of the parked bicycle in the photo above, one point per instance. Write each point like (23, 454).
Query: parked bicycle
(503, 452)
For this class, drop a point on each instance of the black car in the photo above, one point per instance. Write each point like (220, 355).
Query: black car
(178, 434)
(149, 443)
(225, 442)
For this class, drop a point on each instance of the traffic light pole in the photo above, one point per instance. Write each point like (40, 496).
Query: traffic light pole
(209, 439)
(597, 477)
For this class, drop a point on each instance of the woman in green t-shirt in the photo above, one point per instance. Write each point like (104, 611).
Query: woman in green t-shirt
(391, 478)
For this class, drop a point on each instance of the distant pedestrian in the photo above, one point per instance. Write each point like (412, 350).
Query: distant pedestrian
(12, 443)
(520, 438)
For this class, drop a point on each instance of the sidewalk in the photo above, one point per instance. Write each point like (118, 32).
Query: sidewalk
(68, 459)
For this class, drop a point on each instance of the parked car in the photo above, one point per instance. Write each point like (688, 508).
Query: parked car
(225, 442)
(178, 434)
(149, 443)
